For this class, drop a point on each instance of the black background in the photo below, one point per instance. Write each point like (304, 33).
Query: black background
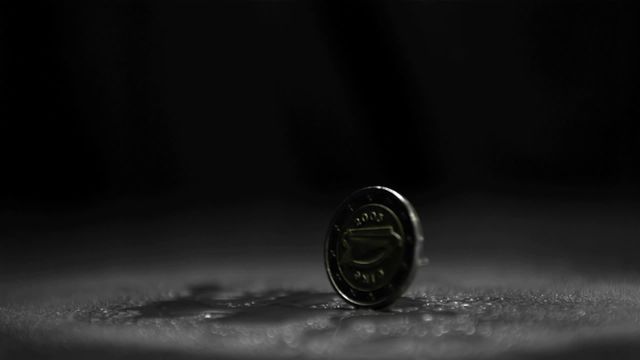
(121, 112)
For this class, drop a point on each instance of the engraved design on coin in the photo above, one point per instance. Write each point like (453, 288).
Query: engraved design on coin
(372, 247)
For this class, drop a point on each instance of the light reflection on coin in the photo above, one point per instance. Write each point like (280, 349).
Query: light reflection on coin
(372, 247)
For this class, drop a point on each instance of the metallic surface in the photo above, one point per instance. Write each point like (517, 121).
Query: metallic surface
(372, 247)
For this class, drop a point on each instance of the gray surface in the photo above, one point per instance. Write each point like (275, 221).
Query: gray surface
(285, 308)
(508, 279)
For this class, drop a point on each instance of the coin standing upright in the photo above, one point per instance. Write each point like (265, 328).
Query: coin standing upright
(372, 247)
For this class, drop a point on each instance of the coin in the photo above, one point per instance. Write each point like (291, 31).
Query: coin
(372, 247)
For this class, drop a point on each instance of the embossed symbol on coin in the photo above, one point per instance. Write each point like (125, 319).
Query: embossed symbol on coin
(368, 246)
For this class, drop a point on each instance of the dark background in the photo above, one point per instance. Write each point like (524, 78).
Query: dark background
(136, 125)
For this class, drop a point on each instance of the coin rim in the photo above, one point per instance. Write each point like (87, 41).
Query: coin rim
(415, 231)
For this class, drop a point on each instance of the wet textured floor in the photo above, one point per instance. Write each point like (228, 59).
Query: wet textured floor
(288, 310)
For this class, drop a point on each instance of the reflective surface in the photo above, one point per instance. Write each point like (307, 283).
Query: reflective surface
(452, 311)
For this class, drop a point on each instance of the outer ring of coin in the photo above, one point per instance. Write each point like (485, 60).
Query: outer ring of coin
(413, 239)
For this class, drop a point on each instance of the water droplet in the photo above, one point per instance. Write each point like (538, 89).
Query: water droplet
(369, 328)
(427, 317)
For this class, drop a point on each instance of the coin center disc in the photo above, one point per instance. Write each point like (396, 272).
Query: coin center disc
(370, 248)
